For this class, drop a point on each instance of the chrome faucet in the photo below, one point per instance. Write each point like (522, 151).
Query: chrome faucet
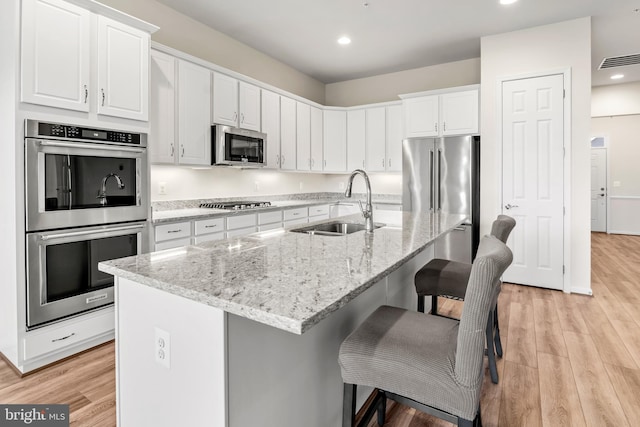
(367, 211)
(102, 194)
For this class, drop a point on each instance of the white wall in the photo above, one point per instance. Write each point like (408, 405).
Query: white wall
(543, 49)
(615, 100)
(387, 87)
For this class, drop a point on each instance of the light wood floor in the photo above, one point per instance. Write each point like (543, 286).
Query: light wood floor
(569, 360)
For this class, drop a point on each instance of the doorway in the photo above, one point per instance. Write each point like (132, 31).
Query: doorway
(533, 137)
(599, 189)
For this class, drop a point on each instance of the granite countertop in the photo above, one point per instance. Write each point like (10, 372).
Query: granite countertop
(287, 280)
(172, 215)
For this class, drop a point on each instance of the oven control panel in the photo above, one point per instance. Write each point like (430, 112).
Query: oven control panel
(58, 130)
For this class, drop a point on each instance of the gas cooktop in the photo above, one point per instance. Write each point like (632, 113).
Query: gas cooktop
(236, 205)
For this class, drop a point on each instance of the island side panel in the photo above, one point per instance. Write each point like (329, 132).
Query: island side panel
(191, 391)
(401, 290)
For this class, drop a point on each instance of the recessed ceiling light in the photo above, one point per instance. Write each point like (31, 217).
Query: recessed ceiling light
(344, 40)
(617, 76)
(507, 1)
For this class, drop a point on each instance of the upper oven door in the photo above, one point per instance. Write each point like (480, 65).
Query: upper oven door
(71, 184)
(234, 146)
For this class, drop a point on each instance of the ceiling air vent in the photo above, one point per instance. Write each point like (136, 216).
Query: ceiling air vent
(620, 61)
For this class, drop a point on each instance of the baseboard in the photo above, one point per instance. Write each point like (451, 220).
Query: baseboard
(582, 291)
(630, 233)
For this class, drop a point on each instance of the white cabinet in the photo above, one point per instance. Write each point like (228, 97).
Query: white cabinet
(123, 70)
(394, 138)
(57, 65)
(303, 136)
(55, 70)
(235, 103)
(316, 139)
(194, 114)
(356, 139)
(376, 139)
(162, 110)
(287, 133)
(441, 114)
(335, 141)
(271, 126)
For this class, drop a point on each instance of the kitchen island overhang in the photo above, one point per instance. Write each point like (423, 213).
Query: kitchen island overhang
(272, 313)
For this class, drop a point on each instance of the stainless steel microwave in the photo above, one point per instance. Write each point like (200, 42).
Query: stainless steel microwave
(237, 147)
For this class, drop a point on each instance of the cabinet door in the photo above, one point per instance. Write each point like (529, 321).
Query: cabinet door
(394, 139)
(375, 139)
(287, 133)
(356, 139)
(335, 141)
(225, 100)
(162, 117)
(55, 54)
(316, 139)
(459, 113)
(194, 114)
(249, 106)
(123, 70)
(271, 126)
(421, 116)
(303, 136)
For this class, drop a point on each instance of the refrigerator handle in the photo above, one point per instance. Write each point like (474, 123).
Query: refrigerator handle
(439, 179)
(433, 176)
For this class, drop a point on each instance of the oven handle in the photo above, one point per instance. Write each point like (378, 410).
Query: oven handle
(102, 147)
(84, 233)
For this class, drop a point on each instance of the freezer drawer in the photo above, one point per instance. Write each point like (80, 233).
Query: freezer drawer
(455, 245)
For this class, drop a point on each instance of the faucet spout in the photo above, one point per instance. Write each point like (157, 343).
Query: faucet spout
(367, 211)
(102, 194)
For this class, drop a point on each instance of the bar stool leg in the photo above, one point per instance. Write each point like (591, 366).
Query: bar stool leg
(497, 332)
(434, 304)
(421, 303)
(382, 410)
(493, 370)
(349, 405)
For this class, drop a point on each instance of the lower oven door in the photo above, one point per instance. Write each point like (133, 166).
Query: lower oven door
(62, 268)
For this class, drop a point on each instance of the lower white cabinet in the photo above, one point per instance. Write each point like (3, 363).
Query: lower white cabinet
(172, 244)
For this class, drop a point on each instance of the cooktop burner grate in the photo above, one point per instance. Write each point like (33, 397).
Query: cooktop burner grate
(236, 205)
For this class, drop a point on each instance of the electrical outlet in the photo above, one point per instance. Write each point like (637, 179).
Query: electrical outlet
(341, 186)
(162, 188)
(256, 185)
(162, 348)
(301, 185)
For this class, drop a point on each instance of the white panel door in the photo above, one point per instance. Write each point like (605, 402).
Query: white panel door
(376, 139)
(316, 139)
(271, 126)
(287, 133)
(303, 136)
(599, 189)
(394, 139)
(225, 100)
(532, 181)
(194, 114)
(356, 139)
(55, 70)
(162, 111)
(123, 70)
(249, 100)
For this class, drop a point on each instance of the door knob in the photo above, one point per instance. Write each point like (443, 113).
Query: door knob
(509, 206)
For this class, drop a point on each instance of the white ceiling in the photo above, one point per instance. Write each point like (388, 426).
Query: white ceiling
(398, 35)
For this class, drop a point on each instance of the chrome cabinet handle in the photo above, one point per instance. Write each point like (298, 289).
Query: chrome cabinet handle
(86, 94)
(64, 338)
(210, 226)
(389, 162)
(282, 160)
(235, 116)
(182, 150)
(444, 126)
(382, 162)
(436, 127)
(278, 159)
(509, 206)
(172, 149)
(242, 118)
(102, 90)
(175, 231)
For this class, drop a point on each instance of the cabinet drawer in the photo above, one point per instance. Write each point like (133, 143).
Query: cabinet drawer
(170, 244)
(269, 217)
(319, 210)
(241, 221)
(293, 222)
(241, 232)
(271, 226)
(173, 231)
(206, 226)
(208, 238)
(318, 217)
(297, 213)
(52, 339)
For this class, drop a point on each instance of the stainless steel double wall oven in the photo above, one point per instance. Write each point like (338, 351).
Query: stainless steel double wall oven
(86, 201)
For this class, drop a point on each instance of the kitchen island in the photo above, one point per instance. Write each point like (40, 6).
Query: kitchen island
(246, 331)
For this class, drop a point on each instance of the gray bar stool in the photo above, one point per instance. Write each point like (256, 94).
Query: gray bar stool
(431, 363)
(448, 279)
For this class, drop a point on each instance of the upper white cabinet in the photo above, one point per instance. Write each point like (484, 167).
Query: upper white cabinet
(194, 114)
(316, 139)
(356, 139)
(287, 133)
(335, 141)
(123, 70)
(57, 67)
(162, 112)
(376, 138)
(55, 70)
(235, 103)
(271, 126)
(303, 136)
(441, 114)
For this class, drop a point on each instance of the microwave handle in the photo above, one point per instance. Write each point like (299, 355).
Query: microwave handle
(46, 237)
(105, 147)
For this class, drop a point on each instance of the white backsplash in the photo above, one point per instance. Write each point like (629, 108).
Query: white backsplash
(182, 183)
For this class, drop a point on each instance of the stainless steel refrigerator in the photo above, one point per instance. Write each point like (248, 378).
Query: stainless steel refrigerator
(443, 175)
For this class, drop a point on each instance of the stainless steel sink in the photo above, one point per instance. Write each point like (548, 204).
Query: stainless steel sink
(334, 228)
